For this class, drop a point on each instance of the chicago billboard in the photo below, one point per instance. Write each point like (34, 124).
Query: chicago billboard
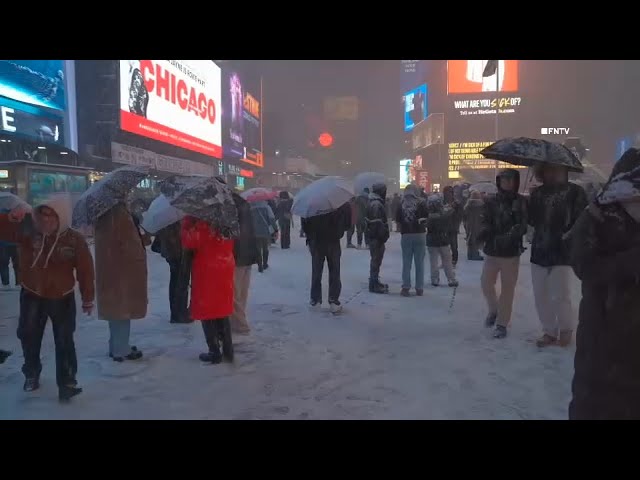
(173, 101)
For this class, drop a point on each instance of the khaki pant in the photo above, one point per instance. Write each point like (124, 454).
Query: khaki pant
(444, 253)
(508, 269)
(241, 282)
(552, 292)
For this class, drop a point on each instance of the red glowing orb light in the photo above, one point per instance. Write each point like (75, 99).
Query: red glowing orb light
(325, 140)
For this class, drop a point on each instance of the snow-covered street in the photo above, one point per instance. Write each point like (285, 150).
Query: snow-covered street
(385, 357)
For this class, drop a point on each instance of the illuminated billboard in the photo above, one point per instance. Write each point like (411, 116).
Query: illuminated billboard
(473, 76)
(415, 107)
(173, 101)
(405, 173)
(466, 156)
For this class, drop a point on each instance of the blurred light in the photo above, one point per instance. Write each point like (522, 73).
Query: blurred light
(42, 148)
(277, 153)
(3, 140)
(325, 139)
(64, 153)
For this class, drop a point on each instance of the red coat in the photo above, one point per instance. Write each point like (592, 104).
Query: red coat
(211, 272)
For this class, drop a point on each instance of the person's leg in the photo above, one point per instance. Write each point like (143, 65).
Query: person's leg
(350, 233)
(261, 242)
(174, 271)
(360, 233)
(334, 253)
(63, 319)
(182, 288)
(210, 330)
(509, 269)
(4, 265)
(488, 280)
(317, 266)
(419, 252)
(406, 242)
(265, 253)
(454, 247)
(31, 324)
(13, 254)
(223, 326)
(542, 297)
(286, 234)
(447, 262)
(434, 263)
(119, 333)
(560, 287)
(241, 281)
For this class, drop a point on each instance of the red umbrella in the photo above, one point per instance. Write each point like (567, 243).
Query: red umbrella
(259, 194)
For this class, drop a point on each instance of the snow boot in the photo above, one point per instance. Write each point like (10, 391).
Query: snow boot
(454, 284)
(546, 341)
(315, 306)
(66, 393)
(224, 335)
(405, 292)
(31, 384)
(419, 292)
(490, 321)
(376, 287)
(4, 354)
(214, 355)
(336, 307)
(500, 332)
(135, 354)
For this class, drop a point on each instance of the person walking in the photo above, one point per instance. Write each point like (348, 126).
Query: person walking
(354, 218)
(121, 278)
(377, 233)
(553, 209)
(324, 233)
(503, 224)
(245, 252)
(451, 202)
(438, 240)
(412, 215)
(211, 286)
(265, 226)
(283, 214)
(395, 205)
(167, 243)
(472, 218)
(362, 203)
(604, 247)
(53, 258)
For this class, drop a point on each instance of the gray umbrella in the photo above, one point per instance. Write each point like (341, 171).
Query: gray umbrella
(322, 196)
(530, 152)
(624, 184)
(208, 199)
(367, 180)
(106, 193)
(9, 201)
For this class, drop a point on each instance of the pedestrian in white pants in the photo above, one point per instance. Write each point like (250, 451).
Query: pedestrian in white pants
(552, 291)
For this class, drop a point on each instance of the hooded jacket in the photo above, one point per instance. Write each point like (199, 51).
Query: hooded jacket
(412, 213)
(47, 263)
(504, 220)
(377, 222)
(553, 209)
(439, 222)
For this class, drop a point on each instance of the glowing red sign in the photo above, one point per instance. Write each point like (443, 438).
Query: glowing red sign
(326, 140)
(246, 173)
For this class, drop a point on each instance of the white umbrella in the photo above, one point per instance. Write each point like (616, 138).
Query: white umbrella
(161, 214)
(322, 196)
(9, 201)
(367, 180)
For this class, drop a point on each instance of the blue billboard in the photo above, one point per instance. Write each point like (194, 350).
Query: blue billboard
(415, 107)
(33, 99)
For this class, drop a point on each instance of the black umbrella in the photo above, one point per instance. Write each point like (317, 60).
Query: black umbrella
(206, 198)
(530, 152)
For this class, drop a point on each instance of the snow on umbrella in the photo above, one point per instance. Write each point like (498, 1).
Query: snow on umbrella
(160, 214)
(322, 196)
(367, 180)
(208, 199)
(9, 201)
(106, 193)
(487, 188)
(258, 194)
(530, 152)
(624, 184)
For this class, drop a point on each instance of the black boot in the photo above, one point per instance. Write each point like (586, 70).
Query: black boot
(490, 321)
(31, 384)
(500, 332)
(224, 335)
(376, 287)
(67, 392)
(211, 336)
(4, 354)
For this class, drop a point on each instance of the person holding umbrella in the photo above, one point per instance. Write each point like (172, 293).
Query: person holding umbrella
(377, 234)
(283, 214)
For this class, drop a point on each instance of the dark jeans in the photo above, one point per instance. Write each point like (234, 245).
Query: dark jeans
(213, 330)
(34, 312)
(8, 253)
(180, 276)
(330, 252)
(285, 233)
(263, 251)
(350, 233)
(453, 240)
(377, 254)
(360, 229)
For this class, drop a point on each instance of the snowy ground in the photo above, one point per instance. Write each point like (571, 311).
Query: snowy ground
(386, 357)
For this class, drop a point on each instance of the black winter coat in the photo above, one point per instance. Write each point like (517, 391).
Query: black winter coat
(552, 212)
(283, 210)
(245, 247)
(605, 255)
(504, 223)
(439, 228)
(329, 227)
(473, 212)
(377, 222)
(362, 203)
(410, 211)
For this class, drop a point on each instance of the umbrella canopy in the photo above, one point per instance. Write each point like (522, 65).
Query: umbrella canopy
(624, 184)
(207, 199)
(322, 196)
(367, 180)
(530, 152)
(9, 201)
(487, 188)
(259, 195)
(160, 214)
(106, 193)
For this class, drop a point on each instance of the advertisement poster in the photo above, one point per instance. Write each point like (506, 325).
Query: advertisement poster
(468, 76)
(173, 101)
(242, 113)
(467, 156)
(405, 173)
(415, 107)
(32, 99)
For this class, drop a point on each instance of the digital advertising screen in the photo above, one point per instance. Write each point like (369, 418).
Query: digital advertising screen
(405, 173)
(33, 99)
(415, 107)
(466, 156)
(242, 113)
(173, 101)
(473, 76)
